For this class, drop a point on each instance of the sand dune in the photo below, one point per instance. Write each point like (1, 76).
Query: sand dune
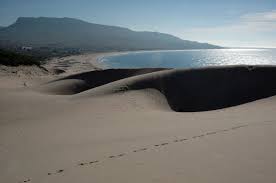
(185, 90)
(134, 126)
(84, 81)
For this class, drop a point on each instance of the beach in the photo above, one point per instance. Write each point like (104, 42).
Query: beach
(74, 121)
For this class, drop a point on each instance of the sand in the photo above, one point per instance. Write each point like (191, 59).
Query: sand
(139, 125)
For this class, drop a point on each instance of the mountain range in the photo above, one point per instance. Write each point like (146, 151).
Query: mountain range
(75, 33)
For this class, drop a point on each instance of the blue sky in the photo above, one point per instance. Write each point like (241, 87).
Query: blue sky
(223, 22)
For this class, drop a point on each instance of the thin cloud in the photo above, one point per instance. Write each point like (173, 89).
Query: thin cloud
(253, 22)
(249, 28)
(260, 17)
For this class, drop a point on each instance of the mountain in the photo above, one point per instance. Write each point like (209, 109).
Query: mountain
(74, 33)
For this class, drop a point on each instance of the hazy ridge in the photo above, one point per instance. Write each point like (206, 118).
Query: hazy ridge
(74, 33)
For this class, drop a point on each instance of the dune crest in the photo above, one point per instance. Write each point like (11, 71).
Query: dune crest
(186, 90)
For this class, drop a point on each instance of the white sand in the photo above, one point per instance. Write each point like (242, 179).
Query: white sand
(105, 134)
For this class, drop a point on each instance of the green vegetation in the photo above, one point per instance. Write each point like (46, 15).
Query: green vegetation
(10, 58)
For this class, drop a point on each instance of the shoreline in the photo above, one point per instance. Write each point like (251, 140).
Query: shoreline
(54, 68)
(59, 67)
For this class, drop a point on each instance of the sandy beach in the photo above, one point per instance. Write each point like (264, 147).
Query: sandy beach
(73, 121)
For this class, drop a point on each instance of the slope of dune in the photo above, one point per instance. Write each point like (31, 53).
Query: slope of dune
(136, 126)
(84, 81)
(185, 90)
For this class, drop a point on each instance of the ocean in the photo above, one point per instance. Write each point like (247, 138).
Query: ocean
(191, 58)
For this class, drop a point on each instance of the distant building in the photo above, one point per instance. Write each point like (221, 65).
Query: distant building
(27, 48)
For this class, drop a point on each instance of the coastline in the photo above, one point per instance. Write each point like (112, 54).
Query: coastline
(80, 63)
(93, 61)
(54, 68)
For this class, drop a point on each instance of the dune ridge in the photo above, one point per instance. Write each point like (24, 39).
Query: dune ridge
(186, 90)
(77, 83)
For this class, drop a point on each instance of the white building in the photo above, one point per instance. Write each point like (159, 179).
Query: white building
(26, 48)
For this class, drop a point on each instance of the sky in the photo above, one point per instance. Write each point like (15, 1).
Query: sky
(232, 23)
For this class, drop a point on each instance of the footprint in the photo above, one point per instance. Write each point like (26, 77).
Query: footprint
(181, 140)
(211, 133)
(236, 127)
(156, 145)
(91, 162)
(27, 180)
(226, 130)
(60, 171)
(111, 156)
(120, 155)
(164, 144)
(138, 150)
(49, 173)
(82, 164)
(198, 136)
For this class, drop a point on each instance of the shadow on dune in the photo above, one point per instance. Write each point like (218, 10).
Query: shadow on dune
(187, 90)
(216, 88)
(84, 81)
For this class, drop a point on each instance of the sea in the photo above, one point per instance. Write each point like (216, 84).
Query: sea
(190, 58)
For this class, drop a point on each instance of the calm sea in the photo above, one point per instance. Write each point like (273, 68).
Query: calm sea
(191, 58)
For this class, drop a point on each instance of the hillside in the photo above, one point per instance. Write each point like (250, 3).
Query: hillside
(74, 33)
(15, 59)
